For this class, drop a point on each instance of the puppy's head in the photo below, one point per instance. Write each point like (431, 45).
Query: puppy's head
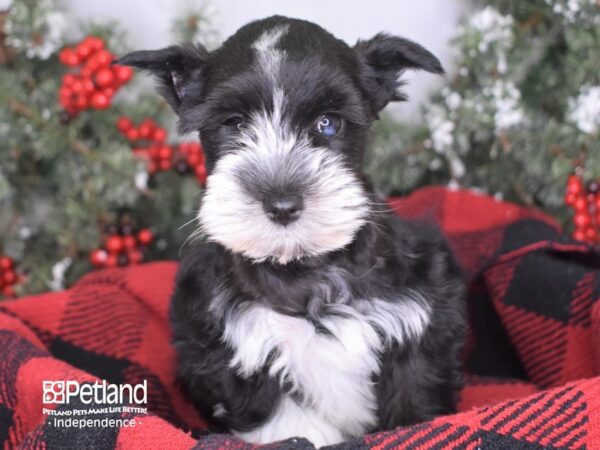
(283, 109)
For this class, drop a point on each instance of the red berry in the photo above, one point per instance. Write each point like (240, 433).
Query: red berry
(86, 72)
(68, 57)
(200, 172)
(6, 263)
(147, 128)
(104, 58)
(194, 159)
(114, 244)
(145, 131)
(597, 202)
(591, 234)
(104, 77)
(95, 43)
(124, 124)
(77, 86)
(153, 152)
(8, 291)
(92, 65)
(98, 257)
(152, 167)
(100, 101)
(579, 235)
(68, 79)
(165, 152)
(574, 185)
(195, 147)
(81, 102)
(581, 204)
(184, 148)
(582, 220)
(135, 256)
(145, 236)
(87, 86)
(129, 242)
(112, 260)
(159, 135)
(123, 74)
(150, 123)
(108, 91)
(65, 93)
(132, 134)
(165, 164)
(83, 51)
(9, 277)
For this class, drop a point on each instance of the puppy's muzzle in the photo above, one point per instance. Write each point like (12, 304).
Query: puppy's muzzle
(283, 209)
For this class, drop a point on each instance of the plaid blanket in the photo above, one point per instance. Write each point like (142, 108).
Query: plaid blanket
(532, 356)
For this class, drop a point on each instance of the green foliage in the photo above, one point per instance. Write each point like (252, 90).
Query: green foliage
(517, 117)
(61, 184)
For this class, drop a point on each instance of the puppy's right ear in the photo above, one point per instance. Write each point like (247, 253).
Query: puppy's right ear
(177, 68)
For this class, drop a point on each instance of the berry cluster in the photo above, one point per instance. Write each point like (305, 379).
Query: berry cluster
(585, 202)
(122, 247)
(190, 158)
(148, 141)
(8, 276)
(96, 82)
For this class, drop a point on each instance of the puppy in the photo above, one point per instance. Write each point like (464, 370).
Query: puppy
(310, 310)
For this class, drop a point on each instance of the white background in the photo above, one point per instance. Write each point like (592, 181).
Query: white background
(432, 23)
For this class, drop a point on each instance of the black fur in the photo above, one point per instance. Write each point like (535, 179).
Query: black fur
(388, 256)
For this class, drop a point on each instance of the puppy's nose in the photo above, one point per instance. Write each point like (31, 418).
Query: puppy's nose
(283, 209)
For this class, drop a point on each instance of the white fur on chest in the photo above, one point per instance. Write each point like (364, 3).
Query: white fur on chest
(332, 372)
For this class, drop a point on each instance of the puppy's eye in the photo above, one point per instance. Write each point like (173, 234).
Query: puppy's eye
(235, 122)
(328, 125)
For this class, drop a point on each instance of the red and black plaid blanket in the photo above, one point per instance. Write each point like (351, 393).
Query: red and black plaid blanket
(532, 359)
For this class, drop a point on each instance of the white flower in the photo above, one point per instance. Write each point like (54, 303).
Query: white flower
(441, 136)
(436, 164)
(36, 33)
(493, 27)
(453, 185)
(453, 100)
(440, 128)
(24, 232)
(141, 180)
(58, 274)
(502, 65)
(457, 167)
(506, 98)
(442, 139)
(571, 10)
(584, 111)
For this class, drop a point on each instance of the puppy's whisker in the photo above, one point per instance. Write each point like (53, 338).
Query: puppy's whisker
(187, 223)
(190, 239)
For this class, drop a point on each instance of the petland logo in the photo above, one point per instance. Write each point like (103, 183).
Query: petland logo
(61, 392)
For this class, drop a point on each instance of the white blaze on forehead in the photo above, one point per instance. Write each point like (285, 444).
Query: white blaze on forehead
(269, 57)
(269, 152)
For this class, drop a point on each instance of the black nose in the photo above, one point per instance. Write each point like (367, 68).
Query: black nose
(284, 209)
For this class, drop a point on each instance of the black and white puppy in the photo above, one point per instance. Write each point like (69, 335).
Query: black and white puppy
(311, 310)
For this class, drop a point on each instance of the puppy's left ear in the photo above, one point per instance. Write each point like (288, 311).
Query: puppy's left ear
(177, 69)
(383, 59)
